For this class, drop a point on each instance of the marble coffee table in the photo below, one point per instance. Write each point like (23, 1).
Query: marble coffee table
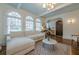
(49, 44)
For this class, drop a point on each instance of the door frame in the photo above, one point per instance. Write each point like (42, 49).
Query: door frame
(62, 27)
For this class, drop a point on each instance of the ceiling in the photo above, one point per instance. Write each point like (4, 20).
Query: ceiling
(35, 8)
(66, 9)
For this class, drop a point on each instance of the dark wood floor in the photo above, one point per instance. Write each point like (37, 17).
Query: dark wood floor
(59, 49)
(67, 48)
(3, 50)
(74, 49)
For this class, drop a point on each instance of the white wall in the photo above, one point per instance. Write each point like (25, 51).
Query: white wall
(68, 29)
(2, 36)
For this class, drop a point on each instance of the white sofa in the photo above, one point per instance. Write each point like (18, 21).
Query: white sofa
(37, 37)
(19, 46)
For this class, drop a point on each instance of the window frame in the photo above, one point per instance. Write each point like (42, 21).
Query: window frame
(29, 19)
(15, 18)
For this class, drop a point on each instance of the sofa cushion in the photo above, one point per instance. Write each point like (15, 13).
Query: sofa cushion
(17, 44)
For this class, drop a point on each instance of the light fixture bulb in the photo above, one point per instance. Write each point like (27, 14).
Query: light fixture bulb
(71, 21)
(52, 6)
(48, 6)
(44, 5)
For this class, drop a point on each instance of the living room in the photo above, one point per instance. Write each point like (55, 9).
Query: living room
(36, 29)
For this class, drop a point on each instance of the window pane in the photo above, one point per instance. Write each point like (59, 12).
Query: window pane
(29, 23)
(13, 24)
(38, 25)
(14, 14)
(29, 18)
(29, 26)
(38, 20)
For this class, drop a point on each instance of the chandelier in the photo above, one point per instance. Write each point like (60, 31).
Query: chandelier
(48, 6)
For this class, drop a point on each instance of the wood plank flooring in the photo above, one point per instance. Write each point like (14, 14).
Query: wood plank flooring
(63, 47)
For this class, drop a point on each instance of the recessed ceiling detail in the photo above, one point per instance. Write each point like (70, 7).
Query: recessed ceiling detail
(37, 8)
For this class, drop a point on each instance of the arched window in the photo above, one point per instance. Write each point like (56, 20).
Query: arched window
(14, 22)
(38, 25)
(14, 14)
(29, 23)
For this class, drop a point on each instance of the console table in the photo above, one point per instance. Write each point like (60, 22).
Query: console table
(77, 42)
(75, 48)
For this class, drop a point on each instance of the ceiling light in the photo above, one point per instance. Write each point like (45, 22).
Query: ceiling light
(44, 5)
(48, 6)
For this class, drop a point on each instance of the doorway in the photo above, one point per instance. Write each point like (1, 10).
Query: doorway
(59, 28)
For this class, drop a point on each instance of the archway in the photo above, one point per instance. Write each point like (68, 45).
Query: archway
(59, 27)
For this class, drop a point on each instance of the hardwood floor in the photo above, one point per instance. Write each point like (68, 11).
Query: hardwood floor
(64, 47)
(3, 50)
(74, 49)
(60, 49)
